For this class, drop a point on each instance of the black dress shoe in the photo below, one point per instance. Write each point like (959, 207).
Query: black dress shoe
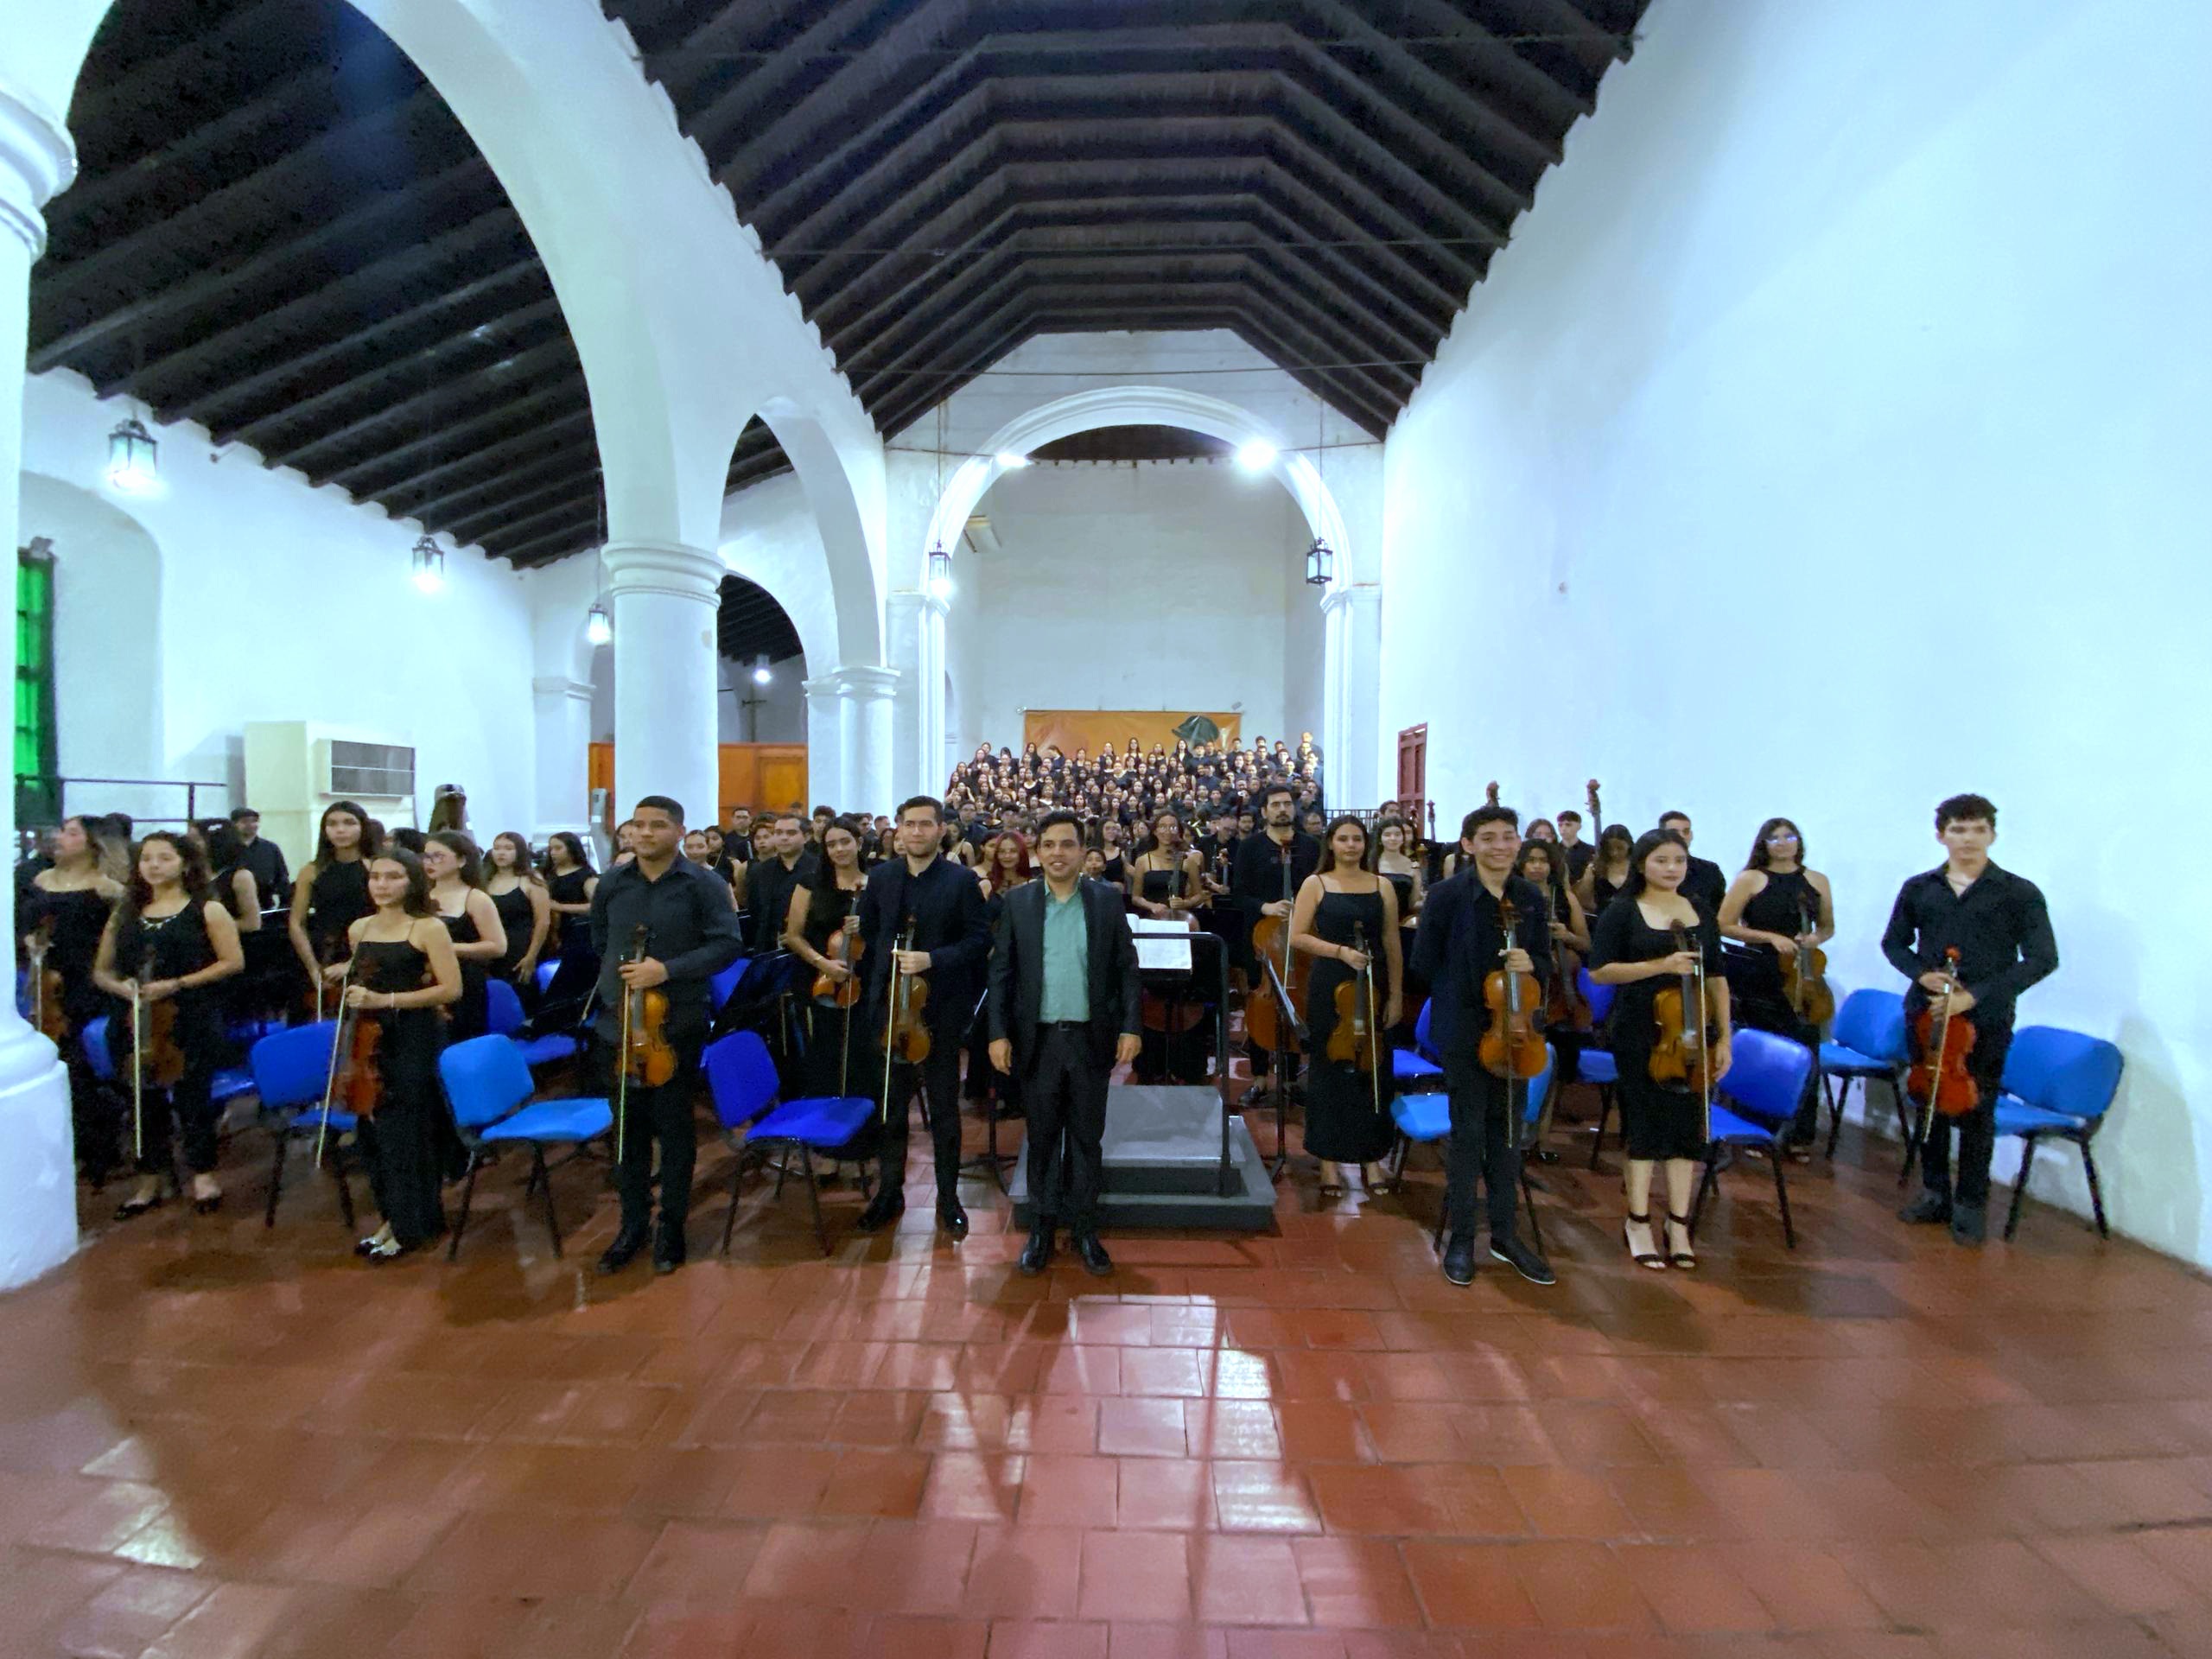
(1969, 1224)
(1092, 1254)
(952, 1217)
(1037, 1254)
(1459, 1260)
(624, 1250)
(1523, 1260)
(668, 1249)
(882, 1209)
(1928, 1210)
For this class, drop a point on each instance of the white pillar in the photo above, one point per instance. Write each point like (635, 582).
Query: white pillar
(929, 698)
(38, 1224)
(825, 742)
(665, 596)
(1352, 619)
(561, 708)
(906, 615)
(868, 774)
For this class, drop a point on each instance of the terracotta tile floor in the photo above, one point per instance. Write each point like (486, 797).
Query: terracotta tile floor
(216, 1441)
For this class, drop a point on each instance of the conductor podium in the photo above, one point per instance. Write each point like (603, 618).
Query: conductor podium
(1175, 1155)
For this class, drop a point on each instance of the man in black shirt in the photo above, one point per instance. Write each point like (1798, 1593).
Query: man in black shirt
(659, 920)
(1258, 870)
(769, 882)
(1579, 851)
(1459, 942)
(264, 858)
(737, 839)
(2001, 929)
(1705, 886)
(937, 907)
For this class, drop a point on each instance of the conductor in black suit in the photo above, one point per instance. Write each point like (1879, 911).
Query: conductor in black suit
(1064, 1008)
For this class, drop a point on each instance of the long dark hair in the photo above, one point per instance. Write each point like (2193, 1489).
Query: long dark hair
(1646, 844)
(1328, 845)
(325, 853)
(996, 871)
(1554, 857)
(224, 847)
(571, 843)
(524, 866)
(417, 901)
(138, 892)
(464, 850)
(1760, 858)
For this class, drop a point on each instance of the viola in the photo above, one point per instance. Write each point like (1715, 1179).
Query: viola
(1513, 1047)
(1804, 976)
(648, 1056)
(1681, 1058)
(1351, 1040)
(846, 947)
(1939, 1078)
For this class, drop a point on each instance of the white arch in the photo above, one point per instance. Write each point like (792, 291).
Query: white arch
(1139, 405)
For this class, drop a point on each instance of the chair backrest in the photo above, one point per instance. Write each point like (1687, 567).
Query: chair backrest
(1872, 1023)
(486, 1078)
(1422, 1044)
(1599, 997)
(99, 1054)
(2060, 1070)
(1539, 1086)
(502, 1008)
(291, 1067)
(546, 969)
(741, 1076)
(720, 986)
(1766, 1078)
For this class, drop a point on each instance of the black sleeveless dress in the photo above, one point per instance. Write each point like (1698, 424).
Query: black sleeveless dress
(76, 918)
(516, 917)
(407, 1142)
(831, 1064)
(1343, 1123)
(471, 1016)
(170, 947)
(339, 898)
(1787, 905)
(1657, 1121)
(571, 985)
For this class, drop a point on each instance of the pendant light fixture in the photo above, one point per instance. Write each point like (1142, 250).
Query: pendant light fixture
(133, 464)
(429, 563)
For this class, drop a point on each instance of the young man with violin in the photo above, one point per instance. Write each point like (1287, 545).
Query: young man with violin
(923, 914)
(1998, 922)
(658, 922)
(1459, 942)
(1065, 1009)
(1265, 873)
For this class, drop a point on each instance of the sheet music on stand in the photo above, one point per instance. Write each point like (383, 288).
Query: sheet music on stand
(1163, 947)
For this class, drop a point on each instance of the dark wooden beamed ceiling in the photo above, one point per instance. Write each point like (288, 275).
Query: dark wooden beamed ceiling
(750, 623)
(279, 230)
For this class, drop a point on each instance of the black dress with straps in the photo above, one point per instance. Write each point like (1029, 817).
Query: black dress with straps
(1347, 1112)
(1656, 1120)
(408, 1141)
(170, 947)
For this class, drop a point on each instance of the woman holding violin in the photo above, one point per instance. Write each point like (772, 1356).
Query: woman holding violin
(167, 944)
(818, 930)
(1784, 912)
(333, 892)
(1670, 1049)
(1347, 918)
(64, 917)
(400, 971)
(570, 883)
(1170, 877)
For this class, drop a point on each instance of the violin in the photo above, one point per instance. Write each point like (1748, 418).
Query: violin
(905, 1036)
(1682, 1058)
(1513, 1047)
(1563, 1003)
(1351, 1040)
(648, 1056)
(847, 947)
(363, 1069)
(47, 989)
(1939, 1078)
(1804, 975)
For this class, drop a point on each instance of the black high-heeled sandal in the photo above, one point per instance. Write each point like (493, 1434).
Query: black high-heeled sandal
(131, 1209)
(1641, 1258)
(1685, 1260)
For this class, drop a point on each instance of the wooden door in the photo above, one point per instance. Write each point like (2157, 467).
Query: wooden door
(1413, 769)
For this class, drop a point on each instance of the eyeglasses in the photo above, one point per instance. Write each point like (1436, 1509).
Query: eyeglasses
(1779, 838)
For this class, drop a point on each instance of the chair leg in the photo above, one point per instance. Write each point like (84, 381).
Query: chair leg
(345, 1189)
(468, 1195)
(1605, 1116)
(2021, 1184)
(2096, 1192)
(1705, 1184)
(1781, 1195)
(277, 1177)
(736, 1184)
(1838, 1090)
(545, 1178)
(813, 1195)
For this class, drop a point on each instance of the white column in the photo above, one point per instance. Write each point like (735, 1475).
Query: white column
(561, 708)
(868, 779)
(906, 613)
(929, 698)
(1352, 618)
(665, 597)
(825, 742)
(38, 1223)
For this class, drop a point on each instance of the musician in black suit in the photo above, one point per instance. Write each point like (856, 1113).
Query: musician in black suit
(943, 904)
(1257, 886)
(1065, 1009)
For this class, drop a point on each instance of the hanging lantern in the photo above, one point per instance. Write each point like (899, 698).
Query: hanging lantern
(132, 452)
(940, 574)
(1320, 563)
(429, 561)
(599, 628)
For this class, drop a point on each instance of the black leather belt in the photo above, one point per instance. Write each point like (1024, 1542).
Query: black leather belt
(1065, 1024)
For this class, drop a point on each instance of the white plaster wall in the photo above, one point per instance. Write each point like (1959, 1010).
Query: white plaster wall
(1153, 586)
(1304, 692)
(1854, 393)
(274, 601)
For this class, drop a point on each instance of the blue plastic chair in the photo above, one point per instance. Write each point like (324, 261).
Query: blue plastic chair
(1427, 1118)
(1595, 1064)
(229, 1084)
(1417, 1068)
(2059, 1083)
(720, 986)
(488, 1085)
(503, 1014)
(1765, 1081)
(504, 1018)
(1868, 1042)
(290, 1070)
(741, 1076)
(547, 966)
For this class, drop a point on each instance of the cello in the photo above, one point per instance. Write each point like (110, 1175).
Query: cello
(1512, 1046)
(1939, 1078)
(1265, 1022)
(1682, 1059)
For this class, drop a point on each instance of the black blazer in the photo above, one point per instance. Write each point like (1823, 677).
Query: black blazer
(1457, 943)
(945, 903)
(1017, 980)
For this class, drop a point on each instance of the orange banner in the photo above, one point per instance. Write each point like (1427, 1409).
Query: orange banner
(1070, 729)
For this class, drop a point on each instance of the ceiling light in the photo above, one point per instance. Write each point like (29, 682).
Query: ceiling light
(429, 561)
(132, 466)
(1008, 459)
(762, 675)
(598, 627)
(1320, 563)
(940, 574)
(1257, 456)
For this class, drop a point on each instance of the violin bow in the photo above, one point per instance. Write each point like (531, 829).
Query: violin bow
(890, 1022)
(1374, 1039)
(337, 1042)
(1510, 919)
(138, 1072)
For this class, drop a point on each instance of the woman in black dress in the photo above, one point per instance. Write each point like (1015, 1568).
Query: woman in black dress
(1607, 873)
(1775, 902)
(1347, 918)
(518, 894)
(170, 942)
(401, 971)
(480, 939)
(1634, 947)
(333, 892)
(569, 883)
(1170, 878)
(1543, 863)
(64, 914)
(835, 1063)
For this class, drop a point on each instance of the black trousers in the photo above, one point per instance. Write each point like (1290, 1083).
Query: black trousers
(1976, 1131)
(654, 1118)
(937, 1078)
(1065, 1094)
(193, 1109)
(1481, 1147)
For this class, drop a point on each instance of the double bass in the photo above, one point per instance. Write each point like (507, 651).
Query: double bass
(1682, 1059)
(1939, 1078)
(1512, 1046)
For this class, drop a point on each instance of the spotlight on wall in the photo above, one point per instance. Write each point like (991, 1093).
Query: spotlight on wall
(1009, 460)
(940, 574)
(429, 563)
(1320, 563)
(599, 627)
(1256, 457)
(762, 675)
(132, 453)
